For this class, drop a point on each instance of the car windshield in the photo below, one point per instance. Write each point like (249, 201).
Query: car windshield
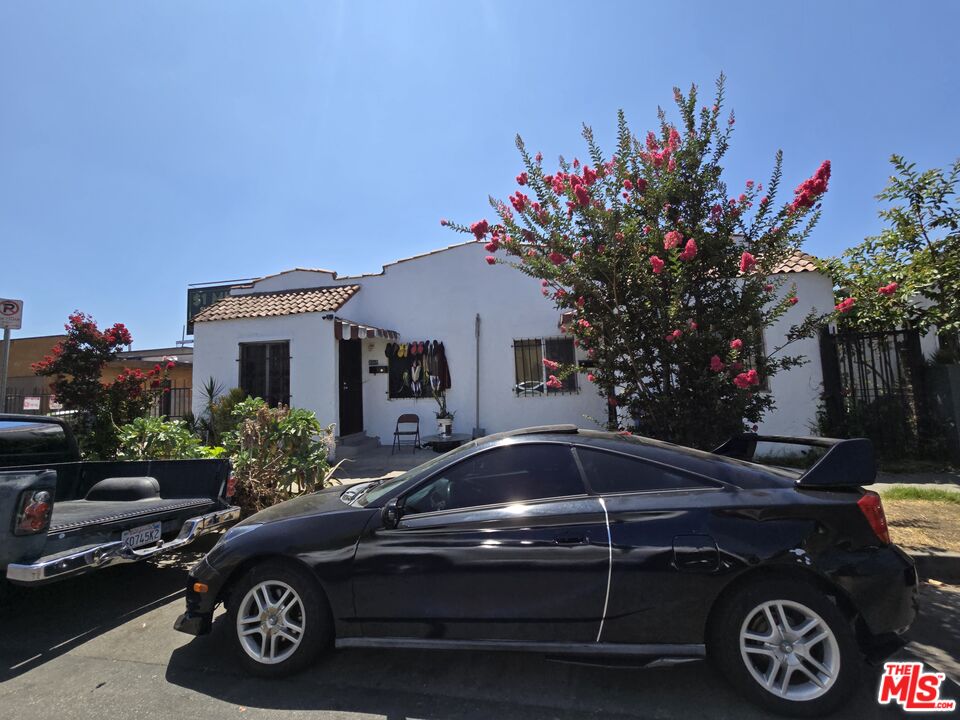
(381, 489)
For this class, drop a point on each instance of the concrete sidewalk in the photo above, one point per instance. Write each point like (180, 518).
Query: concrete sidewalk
(378, 462)
(930, 480)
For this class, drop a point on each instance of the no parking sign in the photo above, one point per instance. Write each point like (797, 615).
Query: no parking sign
(11, 314)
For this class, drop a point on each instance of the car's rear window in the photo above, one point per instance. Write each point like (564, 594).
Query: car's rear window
(610, 473)
(25, 438)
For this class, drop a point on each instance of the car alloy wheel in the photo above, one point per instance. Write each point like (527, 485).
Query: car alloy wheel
(271, 622)
(789, 650)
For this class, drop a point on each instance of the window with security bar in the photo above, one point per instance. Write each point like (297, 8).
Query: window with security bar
(265, 371)
(531, 374)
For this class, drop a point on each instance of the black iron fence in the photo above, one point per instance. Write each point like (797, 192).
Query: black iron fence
(173, 404)
(874, 386)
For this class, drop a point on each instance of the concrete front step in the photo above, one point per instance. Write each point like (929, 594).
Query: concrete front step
(356, 445)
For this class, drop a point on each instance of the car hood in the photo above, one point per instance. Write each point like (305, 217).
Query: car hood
(318, 503)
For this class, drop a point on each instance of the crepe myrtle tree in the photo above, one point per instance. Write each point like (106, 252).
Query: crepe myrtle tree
(76, 365)
(909, 274)
(662, 274)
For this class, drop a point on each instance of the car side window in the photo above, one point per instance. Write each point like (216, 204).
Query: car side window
(507, 474)
(610, 473)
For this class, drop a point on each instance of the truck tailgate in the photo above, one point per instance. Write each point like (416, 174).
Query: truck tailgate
(70, 515)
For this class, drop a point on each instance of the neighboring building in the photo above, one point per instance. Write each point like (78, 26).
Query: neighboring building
(319, 341)
(29, 392)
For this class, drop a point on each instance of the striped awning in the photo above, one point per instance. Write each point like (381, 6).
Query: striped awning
(344, 329)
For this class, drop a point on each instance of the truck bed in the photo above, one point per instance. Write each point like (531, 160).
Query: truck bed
(70, 515)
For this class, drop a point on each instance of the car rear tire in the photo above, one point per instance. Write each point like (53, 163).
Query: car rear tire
(279, 619)
(786, 646)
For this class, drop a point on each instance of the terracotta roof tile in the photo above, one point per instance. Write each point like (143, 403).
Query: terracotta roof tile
(273, 304)
(798, 262)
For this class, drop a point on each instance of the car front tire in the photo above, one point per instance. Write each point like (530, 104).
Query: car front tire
(786, 646)
(279, 620)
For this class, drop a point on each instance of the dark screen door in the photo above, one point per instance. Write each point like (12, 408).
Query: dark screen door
(351, 392)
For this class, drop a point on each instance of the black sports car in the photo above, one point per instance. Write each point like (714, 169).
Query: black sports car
(589, 545)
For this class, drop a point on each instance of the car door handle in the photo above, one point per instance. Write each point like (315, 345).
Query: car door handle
(570, 540)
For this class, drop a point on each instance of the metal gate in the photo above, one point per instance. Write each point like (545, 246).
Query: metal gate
(874, 387)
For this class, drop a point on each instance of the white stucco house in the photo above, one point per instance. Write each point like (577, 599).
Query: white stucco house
(321, 341)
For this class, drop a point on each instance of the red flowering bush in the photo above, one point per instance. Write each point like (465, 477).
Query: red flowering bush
(76, 365)
(662, 273)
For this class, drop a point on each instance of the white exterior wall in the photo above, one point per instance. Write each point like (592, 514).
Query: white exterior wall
(797, 391)
(436, 297)
(313, 357)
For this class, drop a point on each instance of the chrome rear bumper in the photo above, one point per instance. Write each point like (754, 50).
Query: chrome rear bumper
(115, 553)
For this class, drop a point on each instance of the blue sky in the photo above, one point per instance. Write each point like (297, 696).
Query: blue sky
(148, 145)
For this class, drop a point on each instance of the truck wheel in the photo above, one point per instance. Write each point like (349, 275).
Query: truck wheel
(785, 645)
(280, 620)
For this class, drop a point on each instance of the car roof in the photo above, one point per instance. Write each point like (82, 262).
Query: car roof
(31, 418)
(728, 470)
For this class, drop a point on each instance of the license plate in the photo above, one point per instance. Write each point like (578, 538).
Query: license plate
(141, 535)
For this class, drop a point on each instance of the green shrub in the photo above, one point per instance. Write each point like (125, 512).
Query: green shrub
(277, 453)
(150, 438)
(219, 419)
(159, 439)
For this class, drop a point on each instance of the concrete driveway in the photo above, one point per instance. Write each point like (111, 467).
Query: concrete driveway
(103, 646)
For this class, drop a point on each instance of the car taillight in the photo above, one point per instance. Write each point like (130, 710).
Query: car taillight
(872, 510)
(231, 487)
(34, 512)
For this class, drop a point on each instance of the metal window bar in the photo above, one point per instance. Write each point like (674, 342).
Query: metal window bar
(530, 374)
(265, 371)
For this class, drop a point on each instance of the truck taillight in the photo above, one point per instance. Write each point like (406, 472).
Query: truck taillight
(34, 512)
(231, 487)
(872, 510)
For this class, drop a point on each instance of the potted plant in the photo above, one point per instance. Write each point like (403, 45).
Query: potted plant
(444, 416)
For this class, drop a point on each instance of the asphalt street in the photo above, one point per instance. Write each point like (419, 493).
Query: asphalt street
(102, 646)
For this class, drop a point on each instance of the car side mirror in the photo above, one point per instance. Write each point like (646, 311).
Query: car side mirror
(391, 514)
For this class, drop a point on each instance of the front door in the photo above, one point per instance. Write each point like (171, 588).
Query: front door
(505, 545)
(351, 387)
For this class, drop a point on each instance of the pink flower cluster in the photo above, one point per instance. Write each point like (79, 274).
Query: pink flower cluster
(480, 229)
(579, 187)
(657, 264)
(522, 179)
(550, 365)
(659, 156)
(673, 336)
(745, 379)
(689, 251)
(747, 262)
(671, 240)
(812, 188)
(554, 383)
(888, 289)
(845, 305)
(519, 201)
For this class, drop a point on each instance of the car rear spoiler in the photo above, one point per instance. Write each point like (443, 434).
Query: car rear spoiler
(845, 463)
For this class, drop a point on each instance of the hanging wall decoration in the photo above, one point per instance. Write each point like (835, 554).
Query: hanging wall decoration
(417, 369)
